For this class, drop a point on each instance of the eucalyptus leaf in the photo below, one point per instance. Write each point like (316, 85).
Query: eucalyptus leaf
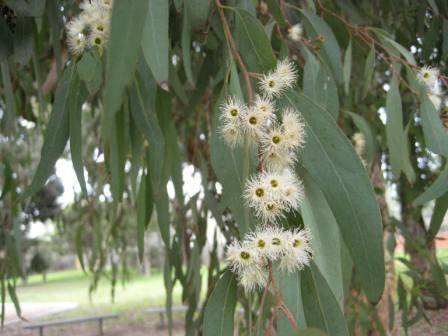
(220, 307)
(56, 135)
(331, 161)
(252, 42)
(155, 33)
(127, 21)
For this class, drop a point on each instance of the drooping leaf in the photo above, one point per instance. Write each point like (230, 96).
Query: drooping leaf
(275, 10)
(118, 150)
(436, 137)
(396, 138)
(155, 40)
(319, 218)
(393, 47)
(220, 307)
(347, 67)
(319, 85)
(145, 118)
(321, 308)
(233, 176)
(439, 212)
(56, 134)
(90, 70)
(252, 42)
(127, 21)
(436, 190)
(330, 51)
(14, 299)
(76, 98)
(333, 164)
(369, 68)
(198, 12)
(144, 211)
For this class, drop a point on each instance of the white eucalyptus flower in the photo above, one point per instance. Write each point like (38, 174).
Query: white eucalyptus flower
(298, 253)
(428, 75)
(76, 38)
(295, 33)
(240, 257)
(253, 278)
(232, 111)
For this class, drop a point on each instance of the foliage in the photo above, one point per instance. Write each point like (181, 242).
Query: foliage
(138, 109)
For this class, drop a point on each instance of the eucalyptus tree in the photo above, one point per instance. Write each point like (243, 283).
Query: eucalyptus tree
(154, 78)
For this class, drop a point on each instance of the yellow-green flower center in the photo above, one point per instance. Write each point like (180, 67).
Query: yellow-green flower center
(274, 183)
(245, 255)
(270, 206)
(426, 75)
(98, 41)
(271, 83)
(261, 243)
(259, 192)
(234, 112)
(297, 243)
(252, 120)
(276, 241)
(276, 139)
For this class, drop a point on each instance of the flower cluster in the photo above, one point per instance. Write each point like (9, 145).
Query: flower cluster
(249, 259)
(276, 189)
(91, 27)
(430, 77)
(271, 193)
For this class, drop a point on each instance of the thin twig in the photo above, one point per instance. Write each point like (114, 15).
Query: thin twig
(234, 50)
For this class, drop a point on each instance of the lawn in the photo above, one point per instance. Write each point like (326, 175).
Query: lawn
(140, 292)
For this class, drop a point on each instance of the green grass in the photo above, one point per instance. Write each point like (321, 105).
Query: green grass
(138, 293)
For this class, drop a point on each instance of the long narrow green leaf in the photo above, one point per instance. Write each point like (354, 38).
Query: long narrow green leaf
(141, 217)
(436, 137)
(155, 33)
(220, 308)
(118, 150)
(319, 218)
(77, 96)
(330, 51)
(56, 134)
(439, 212)
(90, 70)
(347, 67)
(14, 299)
(396, 138)
(127, 21)
(252, 42)
(369, 67)
(333, 164)
(320, 306)
(145, 118)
